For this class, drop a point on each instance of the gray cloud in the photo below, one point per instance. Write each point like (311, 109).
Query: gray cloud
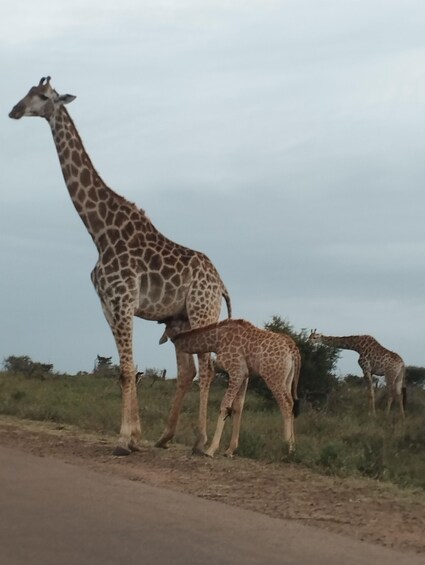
(282, 139)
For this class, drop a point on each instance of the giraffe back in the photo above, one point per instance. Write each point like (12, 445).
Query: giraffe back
(378, 359)
(263, 351)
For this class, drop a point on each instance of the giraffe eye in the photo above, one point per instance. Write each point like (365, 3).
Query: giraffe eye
(44, 97)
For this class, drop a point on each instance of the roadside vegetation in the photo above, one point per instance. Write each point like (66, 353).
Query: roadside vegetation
(334, 432)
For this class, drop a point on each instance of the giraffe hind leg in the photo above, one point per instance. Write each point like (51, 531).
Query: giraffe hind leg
(286, 405)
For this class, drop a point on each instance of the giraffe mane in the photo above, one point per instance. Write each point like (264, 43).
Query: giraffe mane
(118, 197)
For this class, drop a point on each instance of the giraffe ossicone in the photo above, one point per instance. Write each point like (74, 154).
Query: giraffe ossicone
(139, 272)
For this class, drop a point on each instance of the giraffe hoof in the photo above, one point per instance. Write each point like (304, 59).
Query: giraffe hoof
(162, 444)
(134, 446)
(120, 451)
(198, 451)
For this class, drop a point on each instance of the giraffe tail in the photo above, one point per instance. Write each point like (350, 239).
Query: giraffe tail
(226, 297)
(403, 389)
(296, 409)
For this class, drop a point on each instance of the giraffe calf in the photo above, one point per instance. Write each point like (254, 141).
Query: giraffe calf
(243, 349)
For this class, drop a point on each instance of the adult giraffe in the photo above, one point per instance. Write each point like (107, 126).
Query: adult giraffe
(374, 359)
(139, 271)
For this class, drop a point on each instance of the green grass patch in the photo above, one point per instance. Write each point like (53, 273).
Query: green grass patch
(339, 439)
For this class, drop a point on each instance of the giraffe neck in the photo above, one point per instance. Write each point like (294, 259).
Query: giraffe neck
(343, 342)
(199, 340)
(94, 201)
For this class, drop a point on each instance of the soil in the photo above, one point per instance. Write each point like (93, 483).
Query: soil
(360, 508)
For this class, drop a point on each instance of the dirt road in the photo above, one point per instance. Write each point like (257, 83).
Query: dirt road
(116, 507)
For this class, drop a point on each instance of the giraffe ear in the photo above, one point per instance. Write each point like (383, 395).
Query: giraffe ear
(66, 98)
(163, 338)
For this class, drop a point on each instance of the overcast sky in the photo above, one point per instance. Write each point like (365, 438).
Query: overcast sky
(283, 139)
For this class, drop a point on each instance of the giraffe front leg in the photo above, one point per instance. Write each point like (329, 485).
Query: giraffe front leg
(369, 379)
(130, 431)
(186, 372)
(206, 375)
(237, 409)
(236, 388)
(215, 444)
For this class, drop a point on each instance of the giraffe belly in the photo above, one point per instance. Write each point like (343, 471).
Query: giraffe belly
(149, 310)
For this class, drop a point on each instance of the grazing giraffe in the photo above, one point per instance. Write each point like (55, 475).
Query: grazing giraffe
(139, 271)
(243, 349)
(374, 359)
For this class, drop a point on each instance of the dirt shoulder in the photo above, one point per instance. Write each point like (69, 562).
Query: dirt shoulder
(364, 509)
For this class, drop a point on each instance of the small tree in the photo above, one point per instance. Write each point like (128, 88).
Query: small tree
(104, 367)
(18, 364)
(26, 366)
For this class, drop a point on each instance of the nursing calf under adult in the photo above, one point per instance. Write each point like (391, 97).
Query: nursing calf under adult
(242, 350)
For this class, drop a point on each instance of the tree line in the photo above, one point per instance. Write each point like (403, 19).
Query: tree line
(318, 367)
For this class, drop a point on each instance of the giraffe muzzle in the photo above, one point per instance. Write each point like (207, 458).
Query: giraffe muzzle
(16, 113)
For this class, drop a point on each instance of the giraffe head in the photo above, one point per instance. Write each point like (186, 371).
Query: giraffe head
(173, 328)
(41, 100)
(314, 337)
